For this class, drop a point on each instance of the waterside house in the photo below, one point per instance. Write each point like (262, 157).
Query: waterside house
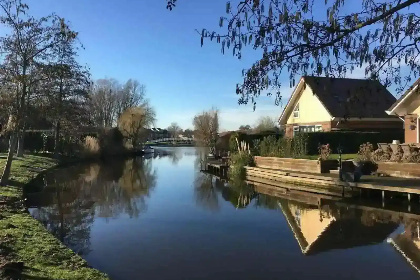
(408, 109)
(330, 104)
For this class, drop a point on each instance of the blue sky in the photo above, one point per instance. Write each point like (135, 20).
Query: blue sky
(142, 40)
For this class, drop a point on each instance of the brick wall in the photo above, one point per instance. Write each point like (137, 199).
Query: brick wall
(399, 169)
(300, 165)
(411, 129)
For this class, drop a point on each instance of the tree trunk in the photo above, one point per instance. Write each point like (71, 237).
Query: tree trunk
(6, 171)
(21, 143)
(57, 139)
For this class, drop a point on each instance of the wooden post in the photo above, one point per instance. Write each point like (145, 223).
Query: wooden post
(383, 198)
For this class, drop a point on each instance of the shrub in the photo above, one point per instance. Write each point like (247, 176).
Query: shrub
(382, 155)
(284, 147)
(324, 152)
(398, 155)
(349, 141)
(413, 157)
(237, 163)
(111, 142)
(233, 146)
(365, 152)
(91, 146)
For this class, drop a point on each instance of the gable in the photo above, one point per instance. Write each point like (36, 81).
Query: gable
(408, 103)
(310, 108)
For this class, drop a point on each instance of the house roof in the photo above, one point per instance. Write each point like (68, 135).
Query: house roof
(345, 98)
(339, 233)
(404, 96)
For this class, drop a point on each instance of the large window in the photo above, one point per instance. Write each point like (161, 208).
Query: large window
(307, 128)
(296, 111)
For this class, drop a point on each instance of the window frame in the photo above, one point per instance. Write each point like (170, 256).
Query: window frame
(296, 110)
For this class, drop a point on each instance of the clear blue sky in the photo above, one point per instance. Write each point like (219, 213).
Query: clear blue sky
(142, 40)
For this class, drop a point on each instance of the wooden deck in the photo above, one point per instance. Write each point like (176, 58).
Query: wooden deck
(216, 167)
(330, 183)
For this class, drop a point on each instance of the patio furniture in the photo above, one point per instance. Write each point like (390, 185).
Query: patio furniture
(394, 148)
(383, 146)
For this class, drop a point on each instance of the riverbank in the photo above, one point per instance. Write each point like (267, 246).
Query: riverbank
(27, 249)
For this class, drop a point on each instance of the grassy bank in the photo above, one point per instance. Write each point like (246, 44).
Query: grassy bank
(24, 241)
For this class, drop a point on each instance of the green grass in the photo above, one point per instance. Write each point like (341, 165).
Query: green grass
(333, 156)
(24, 239)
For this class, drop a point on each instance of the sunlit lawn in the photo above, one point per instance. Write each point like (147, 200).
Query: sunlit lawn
(24, 239)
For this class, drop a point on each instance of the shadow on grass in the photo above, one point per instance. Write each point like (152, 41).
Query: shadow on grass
(31, 277)
(16, 184)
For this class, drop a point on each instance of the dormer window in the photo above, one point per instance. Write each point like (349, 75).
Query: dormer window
(296, 111)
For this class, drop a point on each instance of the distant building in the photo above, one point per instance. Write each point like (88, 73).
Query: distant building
(328, 104)
(158, 133)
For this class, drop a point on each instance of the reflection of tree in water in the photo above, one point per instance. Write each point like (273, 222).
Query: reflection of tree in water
(67, 206)
(205, 192)
(266, 201)
(69, 217)
(124, 193)
(239, 194)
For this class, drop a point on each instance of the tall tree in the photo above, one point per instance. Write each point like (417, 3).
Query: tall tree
(174, 129)
(110, 99)
(134, 121)
(206, 127)
(29, 43)
(331, 38)
(265, 124)
(245, 128)
(67, 86)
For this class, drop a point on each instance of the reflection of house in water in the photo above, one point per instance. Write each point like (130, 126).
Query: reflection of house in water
(323, 229)
(408, 243)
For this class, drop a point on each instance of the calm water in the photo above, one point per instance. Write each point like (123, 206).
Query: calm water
(162, 219)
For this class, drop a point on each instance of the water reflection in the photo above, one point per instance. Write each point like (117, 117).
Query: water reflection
(73, 196)
(145, 211)
(207, 187)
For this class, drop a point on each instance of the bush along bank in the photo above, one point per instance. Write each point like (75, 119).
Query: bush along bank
(27, 249)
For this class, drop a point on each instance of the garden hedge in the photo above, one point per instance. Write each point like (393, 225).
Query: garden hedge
(349, 140)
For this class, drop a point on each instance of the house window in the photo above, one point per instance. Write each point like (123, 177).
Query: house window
(307, 128)
(296, 111)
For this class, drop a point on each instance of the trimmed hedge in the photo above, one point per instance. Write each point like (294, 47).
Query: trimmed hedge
(227, 142)
(349, 141)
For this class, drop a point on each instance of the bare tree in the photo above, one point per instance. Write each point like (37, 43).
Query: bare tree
(206, 126)
(110, 99)
(29, 43)
(174, 130)
(265, 124)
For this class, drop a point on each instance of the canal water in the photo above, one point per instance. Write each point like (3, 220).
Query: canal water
(160, 218)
